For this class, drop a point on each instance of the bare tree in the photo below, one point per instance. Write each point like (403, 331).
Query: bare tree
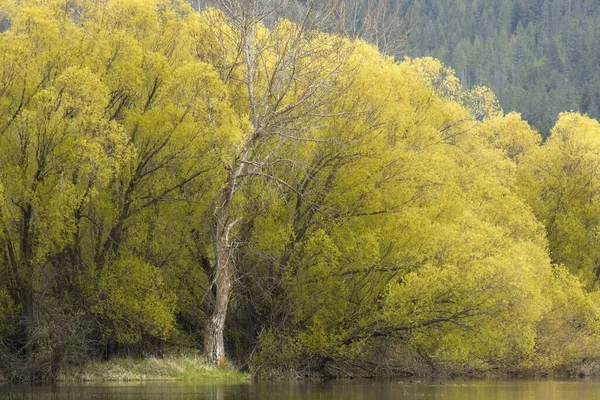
(291, 74)
(385, 23)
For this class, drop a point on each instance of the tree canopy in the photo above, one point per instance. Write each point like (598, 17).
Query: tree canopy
(290, 198)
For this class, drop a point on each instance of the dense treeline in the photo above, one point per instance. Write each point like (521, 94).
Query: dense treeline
(539, 56)
(291, 197)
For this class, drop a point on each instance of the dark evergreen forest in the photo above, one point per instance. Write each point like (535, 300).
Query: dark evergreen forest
(540, 57)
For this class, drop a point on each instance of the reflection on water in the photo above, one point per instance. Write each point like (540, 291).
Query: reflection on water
(346, 390)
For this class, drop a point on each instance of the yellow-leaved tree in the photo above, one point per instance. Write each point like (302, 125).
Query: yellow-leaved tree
(560, 181)
(112, 132)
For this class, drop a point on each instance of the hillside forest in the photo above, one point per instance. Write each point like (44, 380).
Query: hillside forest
(281, 197)
(541, 57)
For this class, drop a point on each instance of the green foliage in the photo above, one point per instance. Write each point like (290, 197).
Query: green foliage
(133, 298)
(8, 312)
(189, 367)
(277, 355)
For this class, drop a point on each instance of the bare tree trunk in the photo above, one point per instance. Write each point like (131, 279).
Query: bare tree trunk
(214, 346)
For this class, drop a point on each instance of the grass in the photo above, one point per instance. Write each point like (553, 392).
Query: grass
(172, 367)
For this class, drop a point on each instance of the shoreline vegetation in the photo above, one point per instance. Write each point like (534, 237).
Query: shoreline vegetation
(194, 368)
(184, 364)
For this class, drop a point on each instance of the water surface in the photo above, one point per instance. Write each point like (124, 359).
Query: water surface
(335, 390)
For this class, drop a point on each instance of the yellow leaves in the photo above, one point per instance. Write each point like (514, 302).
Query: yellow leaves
(82, 92)
(271, 237)
(359, 248)
(511, 134)
(318, 339)
(157, 69)
(213, 38)
(482, 103)
(484, 255)
(405, 110)
(6, 10)
(429, 200)
(441, 78)
(122, 60)
(559, 181)
(315, 280)
(372, 192)
(55, 218)
(474, 308)
(133, 297)
(71, 115)
(196, 91)
(275, 352)
(320, 255)
(574, 125)
(37, 25)
(136, 17)
(569, 330)
(6, 6)
(103, 153)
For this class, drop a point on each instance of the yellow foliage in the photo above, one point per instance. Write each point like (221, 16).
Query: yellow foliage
(511, 134)
(132, 296)
(559, 181)
(442, 78)
(568, 332)
(482, 103)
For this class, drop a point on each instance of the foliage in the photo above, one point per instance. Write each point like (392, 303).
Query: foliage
(162, 169)
(512, 135)
(539, 57)
(568, 332)
(190, 367)
(560, 181)
(8, 312)
(132, 296)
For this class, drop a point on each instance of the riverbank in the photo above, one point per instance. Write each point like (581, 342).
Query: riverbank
(190, 366)
(171, 367)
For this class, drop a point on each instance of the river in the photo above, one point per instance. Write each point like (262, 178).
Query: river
(333, 390)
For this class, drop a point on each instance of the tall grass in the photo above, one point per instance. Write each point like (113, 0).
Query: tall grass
(171, 367)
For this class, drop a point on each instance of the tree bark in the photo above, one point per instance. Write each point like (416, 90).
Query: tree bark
(214, 345)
